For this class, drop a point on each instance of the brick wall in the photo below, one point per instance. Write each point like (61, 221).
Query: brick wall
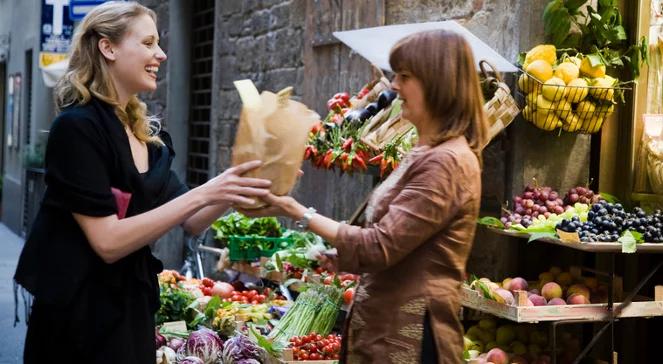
(156, 101)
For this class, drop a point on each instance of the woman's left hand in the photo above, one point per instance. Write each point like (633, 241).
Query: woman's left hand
(277, 206)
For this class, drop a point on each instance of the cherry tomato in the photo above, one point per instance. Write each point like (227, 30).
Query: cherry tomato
(303, 355)
(348, 295)
(314, 356)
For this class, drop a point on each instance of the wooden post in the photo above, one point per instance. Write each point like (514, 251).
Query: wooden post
(521, 298)
(658, 293)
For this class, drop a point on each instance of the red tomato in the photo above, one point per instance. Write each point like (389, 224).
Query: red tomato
(251, 293)
(207, 291)
(328, 280)
(314, 349)
(314, 356)
(254, 302)
(303, 355)
(207, 282)
(348, 295)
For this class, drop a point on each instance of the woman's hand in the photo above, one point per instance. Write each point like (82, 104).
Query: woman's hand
(277, 206)
(230, 187)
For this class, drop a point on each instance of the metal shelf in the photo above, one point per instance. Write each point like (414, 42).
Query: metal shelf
(603, 247)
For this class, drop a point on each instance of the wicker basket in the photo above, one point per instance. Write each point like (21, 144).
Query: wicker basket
(501, 109)
(654, 150)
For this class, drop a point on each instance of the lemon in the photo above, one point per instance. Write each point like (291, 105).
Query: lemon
(543, 105)
(572, 123)
(526, 84)
(603, 88)
(577, 90)
(546, 121)
(528, 113)
(554, 89)
(593, 123)
(587, 69)
(540, 69)
(567, 71)
(543, 52)
(531, 99)
(585, 109)
(562, 108)
(605, 109)
(575, 60)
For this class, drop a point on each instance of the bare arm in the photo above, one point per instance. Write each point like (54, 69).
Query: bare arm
(113, 239)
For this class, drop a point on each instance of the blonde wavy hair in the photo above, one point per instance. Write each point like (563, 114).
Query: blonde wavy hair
(88, 74)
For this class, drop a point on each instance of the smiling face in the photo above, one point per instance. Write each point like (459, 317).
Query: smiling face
(136, 58)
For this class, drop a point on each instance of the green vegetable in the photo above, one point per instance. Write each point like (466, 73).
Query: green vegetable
(315, 310)
(598, 33)
(174, 304)
(240, 225)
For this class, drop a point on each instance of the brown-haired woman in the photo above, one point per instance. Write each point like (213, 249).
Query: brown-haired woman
(421, 220)
(87, 259)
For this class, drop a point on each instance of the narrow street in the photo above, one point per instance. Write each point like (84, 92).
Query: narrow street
(11, 338)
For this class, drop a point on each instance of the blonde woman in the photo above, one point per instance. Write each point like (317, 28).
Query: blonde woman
(421, 220)
(87, 260)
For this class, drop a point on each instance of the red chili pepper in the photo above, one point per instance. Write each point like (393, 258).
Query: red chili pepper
(314, 151)
(359, 162)
(307, 152)
(363, 154)
(328, 159)
(316, 127)
(376, 160)
(383, 166)
(342, 96)
(347, 145)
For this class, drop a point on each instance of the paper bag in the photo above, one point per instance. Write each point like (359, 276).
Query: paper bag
(274, 129)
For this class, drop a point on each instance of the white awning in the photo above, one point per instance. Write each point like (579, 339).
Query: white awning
(54, 71)
(375, 43)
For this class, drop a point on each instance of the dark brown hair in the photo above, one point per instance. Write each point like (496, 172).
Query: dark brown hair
(443, 62)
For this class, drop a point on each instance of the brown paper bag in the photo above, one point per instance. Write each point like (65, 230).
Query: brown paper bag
(273, 129)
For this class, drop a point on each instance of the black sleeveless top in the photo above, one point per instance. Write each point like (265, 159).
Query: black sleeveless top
(110, 307)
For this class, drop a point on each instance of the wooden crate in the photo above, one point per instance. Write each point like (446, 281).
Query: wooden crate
(289, 359)
(532, 314)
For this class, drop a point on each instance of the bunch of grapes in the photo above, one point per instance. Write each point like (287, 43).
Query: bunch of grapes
(534, 201)
(607, 221)
(581, 194)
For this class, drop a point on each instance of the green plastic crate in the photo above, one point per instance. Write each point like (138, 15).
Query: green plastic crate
(267, 247)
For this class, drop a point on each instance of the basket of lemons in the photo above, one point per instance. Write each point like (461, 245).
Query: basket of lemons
(570, 92)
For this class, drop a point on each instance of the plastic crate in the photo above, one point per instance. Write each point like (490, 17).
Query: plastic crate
(261, 247)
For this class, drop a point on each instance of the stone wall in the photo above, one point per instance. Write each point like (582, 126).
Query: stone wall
(261, 41)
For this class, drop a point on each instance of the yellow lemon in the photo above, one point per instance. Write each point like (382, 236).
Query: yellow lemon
(605, 109)
(540, 69)
(575, 60)
(572, 123)
(528, 113)
(543, 105)
(585, 109)
(554, 89)
(567, 71)
(547, 121)
(526, 84)
(562, 108)
(543, 52)
(531, 99)
(577, 90)
(593, 123)
(587, 69)
(603, 88)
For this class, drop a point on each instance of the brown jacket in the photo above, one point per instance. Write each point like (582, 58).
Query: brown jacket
(412, 254)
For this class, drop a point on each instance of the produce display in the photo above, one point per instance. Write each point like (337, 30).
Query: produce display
(492, 341)
(570, 92)
(364, 129)
(553, 287)
(315, 310)
(316, 347)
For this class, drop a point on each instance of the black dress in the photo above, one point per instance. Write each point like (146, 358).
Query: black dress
(84, 310)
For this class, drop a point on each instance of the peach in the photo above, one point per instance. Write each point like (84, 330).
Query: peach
(564, 279)
(551, 290)
(497, 356)
(506, 296)
(506, 282)
(546, 277)
(555, 270)
(578, 289)
(591, 282)
(538, 300)
(577, 299)
(518, 359)
(517, 284)
(556, 302)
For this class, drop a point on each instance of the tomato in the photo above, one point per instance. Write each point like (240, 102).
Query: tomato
(267, 291)
(303, 355)
(348, 295)
(328, 280)
(251, 293)
(207, 282)
(207, 291)
(297, 342)
(336, 347)
(313, 349)
(260, 298)
(335, 356)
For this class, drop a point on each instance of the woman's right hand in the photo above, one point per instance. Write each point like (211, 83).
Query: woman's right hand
(231, 188)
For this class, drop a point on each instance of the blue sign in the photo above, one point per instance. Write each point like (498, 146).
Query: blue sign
(79, 8)
(56, 26)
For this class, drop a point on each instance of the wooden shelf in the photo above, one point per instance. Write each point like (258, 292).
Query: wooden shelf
(603, 247)
(533, 314)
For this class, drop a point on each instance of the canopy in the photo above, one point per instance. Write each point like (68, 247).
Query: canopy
(375, 43)
(54, 71)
